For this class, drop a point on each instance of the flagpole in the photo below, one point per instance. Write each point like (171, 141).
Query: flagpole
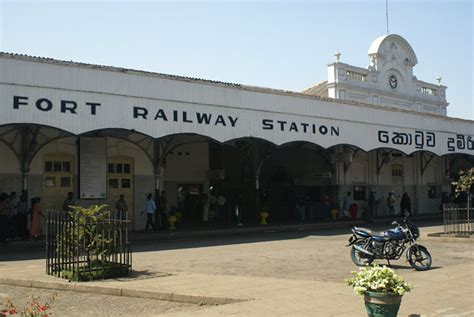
(386, 13)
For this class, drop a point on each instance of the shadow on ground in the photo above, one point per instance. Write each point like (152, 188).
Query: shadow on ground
(165, 240)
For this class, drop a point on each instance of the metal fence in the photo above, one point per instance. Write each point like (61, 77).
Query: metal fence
(81, 247)
(458, 218)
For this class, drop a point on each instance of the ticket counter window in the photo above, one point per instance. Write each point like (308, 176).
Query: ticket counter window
(120, 182)
(57, 180)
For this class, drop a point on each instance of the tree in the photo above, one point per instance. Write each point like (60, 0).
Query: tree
(465, 182)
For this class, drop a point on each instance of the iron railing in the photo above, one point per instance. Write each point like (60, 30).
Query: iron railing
(81, 248)
(458, 218)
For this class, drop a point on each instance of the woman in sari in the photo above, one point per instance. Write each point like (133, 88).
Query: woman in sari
(35, 231)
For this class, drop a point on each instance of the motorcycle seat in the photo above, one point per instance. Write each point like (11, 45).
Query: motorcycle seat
(372, 233)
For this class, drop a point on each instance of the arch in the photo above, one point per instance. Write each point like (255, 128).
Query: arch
(376, 45)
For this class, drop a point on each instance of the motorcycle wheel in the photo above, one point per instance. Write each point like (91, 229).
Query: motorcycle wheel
(419, 258)
(359, 258)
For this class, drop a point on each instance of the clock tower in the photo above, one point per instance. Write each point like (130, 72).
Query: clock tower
(387, 81)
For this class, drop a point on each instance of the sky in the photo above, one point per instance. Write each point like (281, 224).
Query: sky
(276, 44)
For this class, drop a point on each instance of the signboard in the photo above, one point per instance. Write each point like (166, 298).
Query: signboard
(221, 113)
(92, 165)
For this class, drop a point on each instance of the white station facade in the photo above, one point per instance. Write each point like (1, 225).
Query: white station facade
(103, 131)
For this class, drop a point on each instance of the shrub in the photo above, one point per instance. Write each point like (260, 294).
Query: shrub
(378, 279)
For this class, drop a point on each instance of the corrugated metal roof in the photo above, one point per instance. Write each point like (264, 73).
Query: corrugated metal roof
(214, 83)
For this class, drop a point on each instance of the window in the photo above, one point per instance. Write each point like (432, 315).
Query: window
(50, 182)
(125, 183)
(66, 166)
(65, 181)
(126, 168)
(48, 166)
(119, 168)
(57, 166)
(359, 192)
(113, 183)
(397, 171)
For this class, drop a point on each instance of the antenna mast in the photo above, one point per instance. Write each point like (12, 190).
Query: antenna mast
(386, 13)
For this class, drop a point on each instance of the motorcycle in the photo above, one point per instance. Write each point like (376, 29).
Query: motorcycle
(367, 245)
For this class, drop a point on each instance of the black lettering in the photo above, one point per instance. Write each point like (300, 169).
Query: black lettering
(383, 136)
(161, 115)
(282, 125)
(220, 119)
(314, 128)
(323, 129)
(335, 131)
(185, 117)
(71, 108)
(267, 124)
(451, 147)
(175, 115)
(430, 139)
(304, 125)
(40, 102)
(470, 143)
(233, 121)
(94, 106)
(293, 127)
(460, 143)
(140, 112)
(203, 117)
(419, 139)
(19, 101)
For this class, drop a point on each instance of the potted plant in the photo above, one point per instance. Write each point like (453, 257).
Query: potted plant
(382, 289)
(173, 218)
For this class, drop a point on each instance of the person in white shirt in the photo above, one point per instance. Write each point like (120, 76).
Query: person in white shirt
(150, 209)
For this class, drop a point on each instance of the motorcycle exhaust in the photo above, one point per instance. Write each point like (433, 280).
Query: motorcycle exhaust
(360, 249)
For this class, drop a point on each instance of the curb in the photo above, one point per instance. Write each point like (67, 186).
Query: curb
(446, 237)
(76, 287)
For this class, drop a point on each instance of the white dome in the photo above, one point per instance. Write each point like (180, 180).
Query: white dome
(375, 47)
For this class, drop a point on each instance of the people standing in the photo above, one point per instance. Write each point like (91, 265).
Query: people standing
(221, 207)
(371, 210)
(345, 205)
(121, 208)
(405, 205)
(35, 231)
(3, 217)
(150, 209)
(162, 208)
(13, 215)
(22, 217)
(391, 204)
(205, 208)
(68, 202)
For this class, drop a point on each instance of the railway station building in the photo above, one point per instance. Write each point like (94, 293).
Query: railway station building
(100, 132)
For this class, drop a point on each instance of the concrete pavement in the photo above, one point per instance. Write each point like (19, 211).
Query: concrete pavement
(298, 275)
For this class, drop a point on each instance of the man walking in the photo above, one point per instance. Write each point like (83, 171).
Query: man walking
(150, 209)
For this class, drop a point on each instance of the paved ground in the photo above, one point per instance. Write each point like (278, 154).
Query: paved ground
(296, 273)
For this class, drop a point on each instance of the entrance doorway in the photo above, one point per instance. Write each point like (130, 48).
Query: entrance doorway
(190, 203)
(58, 179)
(120, 182)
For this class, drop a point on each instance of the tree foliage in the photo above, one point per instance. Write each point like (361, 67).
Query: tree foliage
(465, 181)
(88, 235)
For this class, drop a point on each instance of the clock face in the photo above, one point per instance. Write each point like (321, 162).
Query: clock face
(393, 82)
